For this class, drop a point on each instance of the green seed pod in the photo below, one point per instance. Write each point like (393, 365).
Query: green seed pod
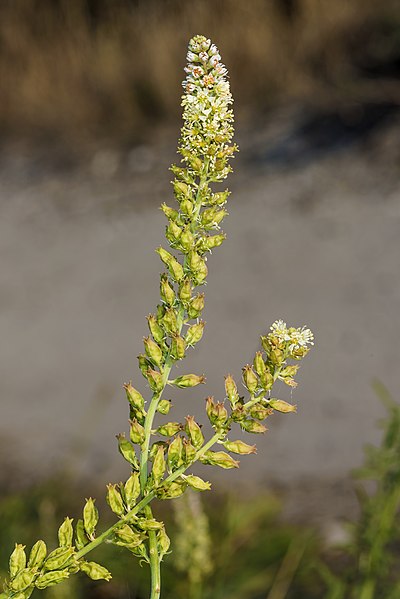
(195, 333)
(175, 454)
(140, 551)
(90, 516)
(188, 380)
(194, 260)
(114, 500)
(51, 578)
(37, 555)
(66, 533)
(149, 524)
(201, 273)
(181, 173)
(127, 451)
(231, 390)
(194, 433)
(197, 483)
(95, 571)
(250, 379)
(259, 412)
(144, 364)
(277, 357)
(186, 207)
(59, 558)
(186, 240)
(169, 429)
(240, 447)
(211, 410)
(238, 413)
(196, 306)
(158, 466)
(160, 312)
(22, 580)
(289, 371)
(155, 380)
(80, 535)
(172, 490)
(282, 406)
(211, 217)
(219, 198)
(252, 426)
(163, 542)
(153, 351)
(166, 291)
(164, 406)
(170, 213)
(178, 347)
(180, 188)
(135, 398)
(185, 290)
(267, 380)
(126, 537)
(137, 432)
(176, 270)
(219, 458)
(189, 452)
(169, 322)
(17, 560)
(155, 329)
(259, 364)
(173, 232)
(132, 490)
(210, 242)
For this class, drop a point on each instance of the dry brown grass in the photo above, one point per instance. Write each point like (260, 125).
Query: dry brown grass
(112, 67)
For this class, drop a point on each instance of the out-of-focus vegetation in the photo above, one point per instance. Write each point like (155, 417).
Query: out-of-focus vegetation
(239, 547)
(83, 68)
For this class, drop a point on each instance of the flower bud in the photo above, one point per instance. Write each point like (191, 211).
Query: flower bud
(90, 516)
(158, 466)
(169, 321)
(170, 213)
(17, 559)
(185, 290)
(194, 433)
(188, 380)
(282, 406)
(65, 533)
(80, 535)
(219, 458)
(197, 483)
(169, 429)
(132, 490)
(37, 555)
(166, 291)
(178, 347)
(175, 454)
(252, 426)
(250, 379)
(195, 333)
(59, 558)
(155, 380)
(95, 571)
(231, 390)
(155, 329)
(127, 451)
(51, 578)
(196, 306)
(240, 447)
(164, 406)
(153, 351)
(134, 397)
(114, 500)
(137, 432)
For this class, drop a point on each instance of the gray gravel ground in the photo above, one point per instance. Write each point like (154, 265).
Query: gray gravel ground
(314, 243)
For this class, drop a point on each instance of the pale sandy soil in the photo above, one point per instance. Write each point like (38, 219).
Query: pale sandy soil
(313, 241)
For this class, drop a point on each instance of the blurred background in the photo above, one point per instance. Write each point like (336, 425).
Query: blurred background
(89, 120)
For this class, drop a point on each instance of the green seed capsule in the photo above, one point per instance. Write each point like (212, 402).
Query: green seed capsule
(195, 333)
(65, 533)
(175, 454)
(90, 516)
(158, 466)
(17, 559)
(149, 524)
(137, 432)
(220, 197)
(163, 542)
(252, 426)
(250, 379)
(144, 364)
(185, 290)
(134, 397)
(153, 351)
(155, 329)
(186, 240)
(189, 452)
(51, 578)
(172, 490)
(164, 406)
(127, 451)
(282, 406)
(155, 380)
(231, 390)
(201, 273)
(169, 429)
(114, 500)
(169, 322)
(95, 571)
(180, 188)
(23, 580)
(219, 458)
(259, 364)
(132, 489)
(240, 447)
(173, 232)
(166, 291)
(37, 555)
(188, 380)
(194, 260)
(196, 306)
(197, 483)
(170, 213)
(59, 558)
(194, 432)
(175, 269)
(178, 347)
(80, 535)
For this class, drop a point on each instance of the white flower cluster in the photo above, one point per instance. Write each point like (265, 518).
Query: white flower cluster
(207, 128)
(297, 338)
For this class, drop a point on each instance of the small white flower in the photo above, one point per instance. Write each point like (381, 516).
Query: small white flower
(191, 57)
(203, 56)
(280, 330)
(301, 338)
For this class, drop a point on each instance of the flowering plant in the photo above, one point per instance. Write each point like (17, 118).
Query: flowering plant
(161, 457)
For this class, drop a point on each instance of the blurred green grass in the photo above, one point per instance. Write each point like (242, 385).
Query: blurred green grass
(95, 68)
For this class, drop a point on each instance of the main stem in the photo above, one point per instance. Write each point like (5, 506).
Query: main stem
(144, 473)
